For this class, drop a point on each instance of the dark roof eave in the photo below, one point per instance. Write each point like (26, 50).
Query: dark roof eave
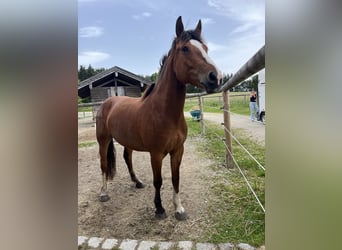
(108, 72)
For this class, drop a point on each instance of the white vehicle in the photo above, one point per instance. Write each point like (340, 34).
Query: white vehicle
(261, 116)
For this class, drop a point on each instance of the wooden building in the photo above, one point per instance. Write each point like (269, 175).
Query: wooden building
(112, 82)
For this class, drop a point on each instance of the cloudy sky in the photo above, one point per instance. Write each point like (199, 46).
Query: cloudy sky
(135, 34)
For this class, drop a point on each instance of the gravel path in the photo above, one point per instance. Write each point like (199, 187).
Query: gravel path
(254, 130)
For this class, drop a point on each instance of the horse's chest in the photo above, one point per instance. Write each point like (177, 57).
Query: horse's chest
(171, 137)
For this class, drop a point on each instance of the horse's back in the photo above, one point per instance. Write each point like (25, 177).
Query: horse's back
(112, 102)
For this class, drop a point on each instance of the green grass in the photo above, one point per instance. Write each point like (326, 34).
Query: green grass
(85, 109)
(214, 103)
(234, 212)
(87, 144)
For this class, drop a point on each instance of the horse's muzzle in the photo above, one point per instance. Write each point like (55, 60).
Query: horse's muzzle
(211, 83)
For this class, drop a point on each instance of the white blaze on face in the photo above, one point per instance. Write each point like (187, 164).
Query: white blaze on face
(199, 46)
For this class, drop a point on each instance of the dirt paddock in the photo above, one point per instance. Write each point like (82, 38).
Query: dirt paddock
(130, 212)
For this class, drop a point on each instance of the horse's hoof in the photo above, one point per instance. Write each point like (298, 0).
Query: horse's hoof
(181, 216)
(161, 216)
(139, 185)
(104, 198)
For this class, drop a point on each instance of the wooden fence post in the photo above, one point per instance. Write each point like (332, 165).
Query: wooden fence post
(200, 103)
(228, 139)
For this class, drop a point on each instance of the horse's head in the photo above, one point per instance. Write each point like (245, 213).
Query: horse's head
(191, 62)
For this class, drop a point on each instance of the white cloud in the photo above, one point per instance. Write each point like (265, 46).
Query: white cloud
(246, 34)
(230, 56)
(243, 28)
(247, 10)
(213, 3)
(213, 47)
(91, 31)
(207, 20)
(146, 14)
(142, 15)
(91, 57)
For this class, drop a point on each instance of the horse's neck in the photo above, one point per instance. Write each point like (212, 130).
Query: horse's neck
(171, 94)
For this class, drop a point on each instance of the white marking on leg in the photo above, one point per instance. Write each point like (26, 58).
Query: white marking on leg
(177, 202)
(199, 46)
(104, 185)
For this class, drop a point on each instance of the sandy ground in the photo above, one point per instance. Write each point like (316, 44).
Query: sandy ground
(130, 211)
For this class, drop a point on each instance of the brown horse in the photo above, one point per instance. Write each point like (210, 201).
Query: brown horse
(155, 122)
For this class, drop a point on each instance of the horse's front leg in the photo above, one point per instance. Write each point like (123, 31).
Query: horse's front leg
(156, 162)
(176, 158)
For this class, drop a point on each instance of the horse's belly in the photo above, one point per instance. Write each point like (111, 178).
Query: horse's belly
(163, 142)
(131, 144)
(128, 138)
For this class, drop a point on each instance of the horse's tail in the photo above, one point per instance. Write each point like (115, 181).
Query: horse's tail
(111, 162)
(102, 137)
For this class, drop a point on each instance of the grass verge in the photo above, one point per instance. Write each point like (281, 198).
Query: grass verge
(234, 212)
(238, 103)
(86, 144)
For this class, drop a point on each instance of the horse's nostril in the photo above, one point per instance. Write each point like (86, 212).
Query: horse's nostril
(212, 77)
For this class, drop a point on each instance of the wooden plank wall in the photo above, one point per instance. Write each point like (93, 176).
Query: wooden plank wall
(101, 93)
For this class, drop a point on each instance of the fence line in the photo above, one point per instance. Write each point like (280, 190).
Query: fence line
(260, 166)
(228, 151)
(237, 165)
(89, 104)
(248, 184)
(237, 141)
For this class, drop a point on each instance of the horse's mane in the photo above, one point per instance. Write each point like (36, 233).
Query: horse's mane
(148, 91)
(185, 36)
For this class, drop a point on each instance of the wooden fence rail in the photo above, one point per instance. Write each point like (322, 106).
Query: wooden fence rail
(252, 66)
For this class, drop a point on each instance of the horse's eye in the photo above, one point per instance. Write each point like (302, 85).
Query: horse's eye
(185, 49)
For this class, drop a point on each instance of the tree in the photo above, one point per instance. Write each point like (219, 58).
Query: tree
(254, 82)
(226, 77)
(247, 85)
(84, 73)
(151, 78)
(90, 71)
(99, 70)
(192, 89)
(154, 77)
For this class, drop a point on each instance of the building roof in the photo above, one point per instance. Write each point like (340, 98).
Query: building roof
(108, 77)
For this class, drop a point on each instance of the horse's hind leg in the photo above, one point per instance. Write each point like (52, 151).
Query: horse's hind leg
(128, 159)
(103, 162)
(106, 150)
(107, 159)
(176, 158)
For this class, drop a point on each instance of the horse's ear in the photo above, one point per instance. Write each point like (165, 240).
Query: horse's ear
(179, 26)
(198, 29)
